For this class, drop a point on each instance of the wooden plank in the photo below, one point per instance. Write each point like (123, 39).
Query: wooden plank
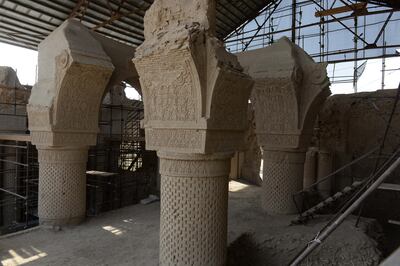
(342, 9)
(16, 137)
(388, 186)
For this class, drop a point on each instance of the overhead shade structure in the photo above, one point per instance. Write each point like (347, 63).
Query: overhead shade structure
(26, 23)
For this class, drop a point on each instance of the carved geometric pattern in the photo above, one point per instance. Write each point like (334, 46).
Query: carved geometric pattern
(281, 179)
(62, 188)
(193, 225)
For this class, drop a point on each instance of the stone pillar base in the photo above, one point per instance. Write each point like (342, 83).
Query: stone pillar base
(194, 201)
(62, 185)
(282, 177)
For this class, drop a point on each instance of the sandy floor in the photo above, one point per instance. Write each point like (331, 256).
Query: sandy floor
(129, 236)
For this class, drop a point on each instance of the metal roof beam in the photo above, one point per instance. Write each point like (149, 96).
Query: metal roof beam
(132, 7)
(33, 28)
(18, 31)
(135, 20)
(19, 39)
(94, 11)
(17, 43)
(94, 20)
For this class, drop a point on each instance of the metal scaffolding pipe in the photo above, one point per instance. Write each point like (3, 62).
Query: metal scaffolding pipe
(321, 236)
(12, 193)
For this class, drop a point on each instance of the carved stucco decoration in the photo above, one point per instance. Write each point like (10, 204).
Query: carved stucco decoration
(289, 91)
(199, 103)
(74, 71)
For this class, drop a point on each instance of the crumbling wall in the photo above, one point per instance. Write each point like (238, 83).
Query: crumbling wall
(353, 124)
(348, 126)
(13, 100)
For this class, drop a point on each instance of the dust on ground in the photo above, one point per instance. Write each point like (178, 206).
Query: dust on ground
(129, 236)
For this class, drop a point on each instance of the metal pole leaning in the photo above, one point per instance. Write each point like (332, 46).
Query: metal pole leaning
(321, 236)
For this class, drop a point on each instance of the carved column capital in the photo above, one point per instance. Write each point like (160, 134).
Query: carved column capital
(287, 94)
(73, 73)
(195, 93)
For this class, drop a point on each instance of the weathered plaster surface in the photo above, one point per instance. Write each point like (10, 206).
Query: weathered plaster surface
(351, 125)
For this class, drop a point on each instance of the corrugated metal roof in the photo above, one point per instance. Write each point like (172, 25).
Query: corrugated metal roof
(27, 22)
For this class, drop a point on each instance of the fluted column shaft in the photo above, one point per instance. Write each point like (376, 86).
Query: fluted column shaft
(194, 201)
(62, 185)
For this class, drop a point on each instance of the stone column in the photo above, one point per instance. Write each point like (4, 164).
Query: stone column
(282, 176)
(63, 113)
(325, 165)
(195, 102)
(288, 93)
(310, 167)
(194, 200)
(62, 185)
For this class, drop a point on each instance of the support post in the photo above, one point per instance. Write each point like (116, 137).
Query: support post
(62, 185)
(287, 97)
(282, 177)
(310, 167)
(325, 168)
(293, 21)
(194, 201)
(63, 118)
(195, 103)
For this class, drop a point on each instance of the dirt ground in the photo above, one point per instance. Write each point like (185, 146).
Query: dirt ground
(129, 236)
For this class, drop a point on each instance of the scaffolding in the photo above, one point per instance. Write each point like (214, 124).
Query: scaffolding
(330, 31)
(18, 165)
(19, 183)
(120, 140)
(120, 171)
